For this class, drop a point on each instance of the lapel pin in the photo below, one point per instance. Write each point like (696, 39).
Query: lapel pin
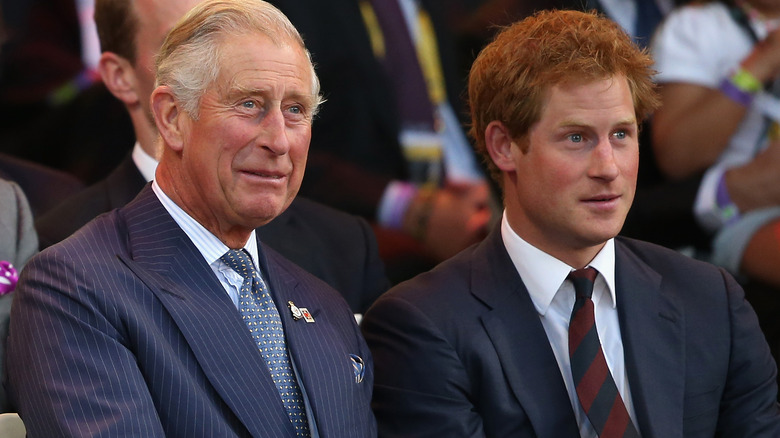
(307, 315)
(296, 312)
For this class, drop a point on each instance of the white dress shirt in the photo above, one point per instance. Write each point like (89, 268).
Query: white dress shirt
(145, 163)
(553, 296)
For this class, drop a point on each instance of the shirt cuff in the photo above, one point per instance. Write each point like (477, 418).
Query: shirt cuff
(713, 206)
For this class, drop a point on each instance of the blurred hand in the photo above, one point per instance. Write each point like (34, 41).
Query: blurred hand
(764, 61)
(757, 183)
(450, 219)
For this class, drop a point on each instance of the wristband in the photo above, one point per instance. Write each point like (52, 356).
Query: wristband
(734, 93)
(741, 87)
(745, 81)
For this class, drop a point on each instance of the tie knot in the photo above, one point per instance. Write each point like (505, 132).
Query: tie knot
(583, 281)
(240, 261)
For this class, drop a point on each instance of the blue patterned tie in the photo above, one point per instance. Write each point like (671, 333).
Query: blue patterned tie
(262, 318)
(596, 389)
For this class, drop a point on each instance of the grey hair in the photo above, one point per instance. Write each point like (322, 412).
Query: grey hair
(189, 59)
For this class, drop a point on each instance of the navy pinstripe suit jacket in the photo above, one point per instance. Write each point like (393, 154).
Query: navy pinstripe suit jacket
(123, 330)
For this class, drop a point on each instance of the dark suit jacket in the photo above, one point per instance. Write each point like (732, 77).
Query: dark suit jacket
(44, 187)
(460, 351)
(336, 247)
(123, 330)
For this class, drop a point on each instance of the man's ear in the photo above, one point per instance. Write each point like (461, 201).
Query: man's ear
(169, 117)
(119, 77)
(500, 145)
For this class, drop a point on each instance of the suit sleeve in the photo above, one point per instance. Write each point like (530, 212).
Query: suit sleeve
(749, 405)
(421, 386)
(69, 372)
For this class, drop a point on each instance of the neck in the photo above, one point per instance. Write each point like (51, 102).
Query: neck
(233, 236)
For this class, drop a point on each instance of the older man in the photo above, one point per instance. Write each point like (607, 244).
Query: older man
(168, 317)
(336, 247)
(553, 327)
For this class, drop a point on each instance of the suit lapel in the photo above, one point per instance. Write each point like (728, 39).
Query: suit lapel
(651, 324)
(317, 348)
(520, 341)
(164, 258)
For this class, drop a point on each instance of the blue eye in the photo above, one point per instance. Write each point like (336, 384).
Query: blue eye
(620, 135)
(249, 104)
(575, 138)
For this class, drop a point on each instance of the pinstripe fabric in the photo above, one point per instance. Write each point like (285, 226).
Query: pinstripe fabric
(123, 330)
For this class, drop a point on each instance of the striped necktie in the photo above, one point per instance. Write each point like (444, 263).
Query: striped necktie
(262, 318)
(596, 389)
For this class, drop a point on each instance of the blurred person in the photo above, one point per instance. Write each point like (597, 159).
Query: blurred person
(389, 144)
(336, 247)
(717, 68)
(18, 242)
(54, 110)
(553, 326)
(168, 316)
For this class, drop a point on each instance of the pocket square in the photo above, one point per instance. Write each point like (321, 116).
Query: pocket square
(358, 367)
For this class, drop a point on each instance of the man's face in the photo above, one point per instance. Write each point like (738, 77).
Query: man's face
(243, 159)
(577, 180)
(155, 19)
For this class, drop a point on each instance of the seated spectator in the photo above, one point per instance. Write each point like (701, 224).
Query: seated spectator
(553, 326)
(717, 65)
(18, 243)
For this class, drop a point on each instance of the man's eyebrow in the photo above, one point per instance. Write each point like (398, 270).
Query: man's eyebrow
(241, 90)
(236, 90)
(627, 121)
(572, 123)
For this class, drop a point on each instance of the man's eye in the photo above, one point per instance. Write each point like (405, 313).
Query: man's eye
(576, 138)
(249, 104)
(296, 109)
(620, 135)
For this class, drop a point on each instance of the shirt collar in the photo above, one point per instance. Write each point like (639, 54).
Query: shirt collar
(543, 274)
(145, 163)
(210, 247)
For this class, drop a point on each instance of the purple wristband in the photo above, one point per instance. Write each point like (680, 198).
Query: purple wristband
(735, 93)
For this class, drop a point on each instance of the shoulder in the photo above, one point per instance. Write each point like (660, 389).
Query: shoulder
(44, 187)
(705, 16)
(689, 280)
(449, 282)
(323, 216)
(71, 214)
(10, 194)
(662, 259)
(696, 43)
(98, 240)
(18, 241)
